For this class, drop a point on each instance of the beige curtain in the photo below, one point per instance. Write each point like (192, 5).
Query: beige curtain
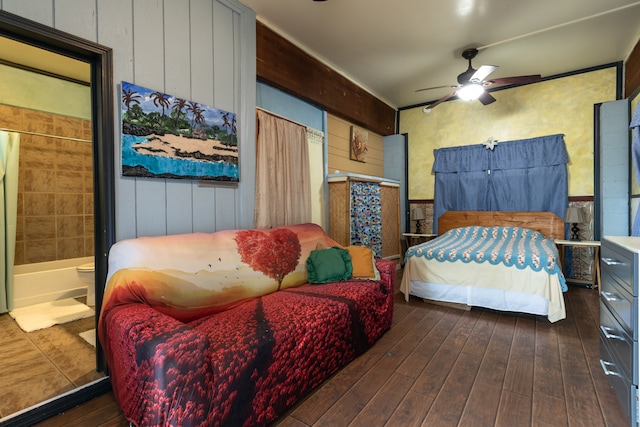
(282, 176)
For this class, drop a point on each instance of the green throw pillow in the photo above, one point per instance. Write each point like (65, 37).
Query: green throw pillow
(329, 265)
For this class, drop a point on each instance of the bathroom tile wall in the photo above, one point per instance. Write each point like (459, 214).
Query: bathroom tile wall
(55, 186)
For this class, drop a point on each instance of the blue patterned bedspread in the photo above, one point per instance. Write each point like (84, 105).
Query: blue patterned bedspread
(511, 246)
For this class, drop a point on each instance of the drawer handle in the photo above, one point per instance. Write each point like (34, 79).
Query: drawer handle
(607, 333)
(611, 261)
(611, 297)
(605, 367)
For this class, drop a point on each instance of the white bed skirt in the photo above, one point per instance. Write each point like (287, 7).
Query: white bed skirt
(496, 299)
(497, 287)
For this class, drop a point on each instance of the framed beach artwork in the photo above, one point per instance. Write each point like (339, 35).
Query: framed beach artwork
(358, 144)
(164, 136)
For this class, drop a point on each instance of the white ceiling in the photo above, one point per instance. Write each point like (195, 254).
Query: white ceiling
(392, 48)
(15, 52)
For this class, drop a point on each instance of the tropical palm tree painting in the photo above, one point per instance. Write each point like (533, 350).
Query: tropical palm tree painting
(164, 136)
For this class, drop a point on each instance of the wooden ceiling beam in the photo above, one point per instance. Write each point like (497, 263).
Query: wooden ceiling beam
(285, 66)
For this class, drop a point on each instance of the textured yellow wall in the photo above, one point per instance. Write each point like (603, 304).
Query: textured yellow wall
(558, 106)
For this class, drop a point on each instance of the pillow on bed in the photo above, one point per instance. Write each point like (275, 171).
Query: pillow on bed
(329, 265)
(364, 263)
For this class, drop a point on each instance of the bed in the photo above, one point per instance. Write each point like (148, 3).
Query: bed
(516, 270)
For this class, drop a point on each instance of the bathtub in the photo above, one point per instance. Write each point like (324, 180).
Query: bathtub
(53, 280)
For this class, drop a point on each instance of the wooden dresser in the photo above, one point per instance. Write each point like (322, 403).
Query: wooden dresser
(619, 319)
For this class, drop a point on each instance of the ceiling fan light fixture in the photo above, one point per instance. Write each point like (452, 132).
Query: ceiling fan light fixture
(470, 91)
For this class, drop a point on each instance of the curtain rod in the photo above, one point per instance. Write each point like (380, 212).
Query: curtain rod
(281, 117)
(45, 135)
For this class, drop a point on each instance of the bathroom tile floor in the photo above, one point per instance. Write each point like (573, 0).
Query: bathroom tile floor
(38, 365)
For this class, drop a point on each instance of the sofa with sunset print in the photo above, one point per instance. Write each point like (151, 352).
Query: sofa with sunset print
(234, 327)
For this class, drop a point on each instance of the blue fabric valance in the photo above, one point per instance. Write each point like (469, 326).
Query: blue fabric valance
(524, 153)
(525, 175)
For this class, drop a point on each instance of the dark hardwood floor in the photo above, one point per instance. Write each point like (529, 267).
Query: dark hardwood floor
(440, 366)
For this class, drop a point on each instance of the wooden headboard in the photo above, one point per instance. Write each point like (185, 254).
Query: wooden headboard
(548, 223)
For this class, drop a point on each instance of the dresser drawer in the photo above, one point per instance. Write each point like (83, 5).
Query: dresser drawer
(619, 302)
(619, 342)
(624, 389)
(618, 263)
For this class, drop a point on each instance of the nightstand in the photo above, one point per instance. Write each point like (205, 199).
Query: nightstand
(412, 239)
(595, 244)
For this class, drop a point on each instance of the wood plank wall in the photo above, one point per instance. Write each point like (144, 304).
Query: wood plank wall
(339, 135)
(632, 72)
(285, 66)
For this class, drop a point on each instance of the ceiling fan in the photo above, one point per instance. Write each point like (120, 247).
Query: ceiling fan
(472, 83)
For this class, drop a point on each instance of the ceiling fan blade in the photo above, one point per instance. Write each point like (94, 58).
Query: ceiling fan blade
(441, 100)
(486, 98)
(437, 87)
(514, 80)
(482, 72)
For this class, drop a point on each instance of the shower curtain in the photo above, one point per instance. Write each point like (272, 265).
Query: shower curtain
(9, 151)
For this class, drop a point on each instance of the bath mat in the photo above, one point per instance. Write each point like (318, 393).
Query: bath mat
(89, 336)
(46, 314)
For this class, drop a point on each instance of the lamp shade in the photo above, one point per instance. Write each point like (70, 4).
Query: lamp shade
(574, 215)
(417, 214)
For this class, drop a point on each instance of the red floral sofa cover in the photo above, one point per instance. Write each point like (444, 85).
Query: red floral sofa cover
(223, 328)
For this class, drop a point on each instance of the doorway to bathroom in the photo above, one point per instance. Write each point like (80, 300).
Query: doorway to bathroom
(50, 324)
(75, 215)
